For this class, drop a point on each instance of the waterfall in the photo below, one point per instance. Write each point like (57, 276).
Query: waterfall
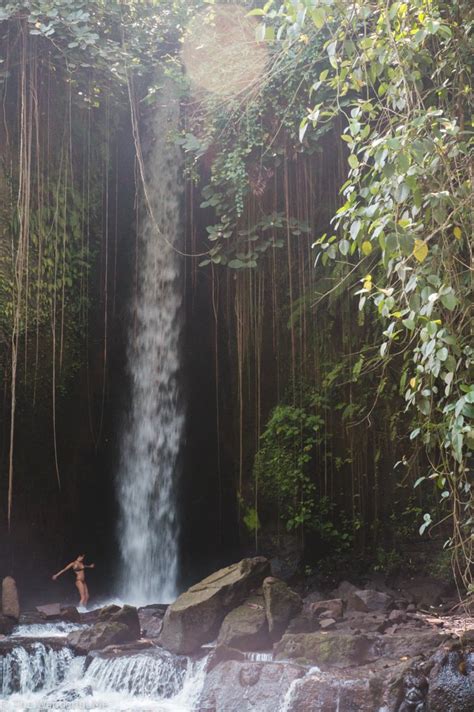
(32, 668)
(152, 439)
(35, 676)
(157, 675)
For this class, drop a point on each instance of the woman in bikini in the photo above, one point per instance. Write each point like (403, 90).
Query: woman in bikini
(78, 566)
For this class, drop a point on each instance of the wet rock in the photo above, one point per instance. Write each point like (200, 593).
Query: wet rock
(367, 600)
(70, 614)
(105, 613)
(281, 605)
(51, 611)
(235, 686)
(98, 636)
(451, 682)
(222, 654)
(246, 627)
(333, 607)
(195, 617)
(67, 696)
(6, 625)
(325, 649)
(151, 620)
(10, 601)
(415, 688)
(329, 694)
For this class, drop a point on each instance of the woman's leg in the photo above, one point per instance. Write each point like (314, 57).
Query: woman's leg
(80, 588)
(86, 595)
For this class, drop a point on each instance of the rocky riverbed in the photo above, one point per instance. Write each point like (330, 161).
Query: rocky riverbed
(242, 640)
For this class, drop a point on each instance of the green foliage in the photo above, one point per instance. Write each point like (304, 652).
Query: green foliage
(399, 77)
(281, 466)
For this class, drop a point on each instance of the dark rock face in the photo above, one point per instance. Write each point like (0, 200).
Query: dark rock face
(151, 620)
(10, 601)
(367, 601)
(70, 614)
(245, 627)
(6, 625)
(195, 617)
(281, 605)
(451, 683)
(236, 686)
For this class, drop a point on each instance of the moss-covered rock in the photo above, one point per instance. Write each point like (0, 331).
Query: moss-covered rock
(324, 649)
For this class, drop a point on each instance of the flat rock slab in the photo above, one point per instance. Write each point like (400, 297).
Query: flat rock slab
(195, 617)
(50, 610)
(237, 686)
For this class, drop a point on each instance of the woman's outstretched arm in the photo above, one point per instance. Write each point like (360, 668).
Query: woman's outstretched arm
(66, 568)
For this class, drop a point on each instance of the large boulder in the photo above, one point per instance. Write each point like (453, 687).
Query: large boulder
(281, 605)
(368, 601)
(337, 649)
(245, 627)
(10, 602)
(236, 686)
(195, 617)
(97, 637)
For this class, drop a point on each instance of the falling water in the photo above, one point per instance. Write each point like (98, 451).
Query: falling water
(30, 669)
(38, 677)
(153, 435)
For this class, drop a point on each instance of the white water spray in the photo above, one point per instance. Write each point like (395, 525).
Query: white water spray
(153, 435)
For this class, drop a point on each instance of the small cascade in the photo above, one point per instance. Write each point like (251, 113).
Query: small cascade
(286, 703)
(260, 657)
(145, 674)
(46, 630)
(32, 668)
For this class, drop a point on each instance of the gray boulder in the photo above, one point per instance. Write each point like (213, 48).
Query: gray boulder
(338, 649)
(368, 601)
(236, 686)
(97, 637)
(281, 605)
(10, 602)
(245, 627)
(196, 616)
